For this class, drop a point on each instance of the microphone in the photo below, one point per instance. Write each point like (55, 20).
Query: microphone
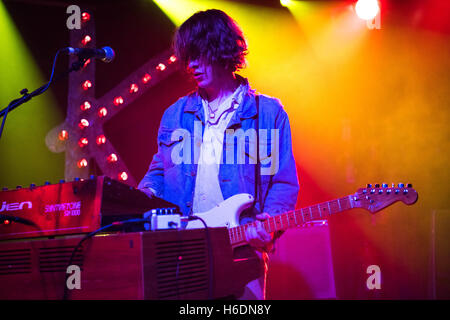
(106, 54)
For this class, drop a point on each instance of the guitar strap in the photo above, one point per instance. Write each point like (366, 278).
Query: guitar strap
(258, 190)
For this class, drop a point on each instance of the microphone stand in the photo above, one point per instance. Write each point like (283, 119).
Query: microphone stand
(27, 96)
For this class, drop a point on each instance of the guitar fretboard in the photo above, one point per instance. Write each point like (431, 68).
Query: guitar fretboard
(293, 218)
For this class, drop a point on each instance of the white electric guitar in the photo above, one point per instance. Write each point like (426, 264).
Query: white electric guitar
(373, 199)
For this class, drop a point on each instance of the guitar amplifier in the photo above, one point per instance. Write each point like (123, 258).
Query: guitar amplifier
(163, 265)
(76, 207)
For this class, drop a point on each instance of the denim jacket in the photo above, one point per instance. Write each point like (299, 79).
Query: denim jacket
(172, 171)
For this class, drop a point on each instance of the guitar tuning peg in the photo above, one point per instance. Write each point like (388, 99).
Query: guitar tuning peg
(409, 185)
(401, 185)
(393, 185)
(384, 185)
(377, 185)
(369, 185)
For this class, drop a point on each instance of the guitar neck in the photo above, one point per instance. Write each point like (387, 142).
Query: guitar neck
(293, 218)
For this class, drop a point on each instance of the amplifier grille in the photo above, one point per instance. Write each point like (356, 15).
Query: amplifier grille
(56, 259)
(182, 267)
(15, 261)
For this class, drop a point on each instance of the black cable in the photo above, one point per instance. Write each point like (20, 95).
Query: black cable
(5, 217)
(53, 72)
(118, 223)
(89, 235)
(179, 260)
(210, 257)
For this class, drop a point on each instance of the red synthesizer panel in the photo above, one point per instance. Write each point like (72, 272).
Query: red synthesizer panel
(70, 207)
(56, 209)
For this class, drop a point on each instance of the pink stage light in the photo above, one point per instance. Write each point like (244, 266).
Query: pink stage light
(83, 142)
(63, 135)
(161, 67)
(85, 17)
(86, 40)
(86, 85)
(123, 176)
(101, 139)
(112, 158)
(102, 112)
(134, 88)
(82, 163)
(83, 123)
(118, 101)
(85, 106)
(146, 78)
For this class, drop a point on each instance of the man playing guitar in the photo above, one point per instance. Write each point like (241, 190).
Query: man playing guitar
(208, 141)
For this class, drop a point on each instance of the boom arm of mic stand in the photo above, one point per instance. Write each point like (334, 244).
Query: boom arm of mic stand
(27, 96)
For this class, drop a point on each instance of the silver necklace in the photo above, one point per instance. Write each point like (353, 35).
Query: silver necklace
(212, 114)
(230, 109)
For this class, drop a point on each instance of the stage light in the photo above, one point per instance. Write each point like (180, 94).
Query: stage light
(82, 163)
(85, 106)
(63, 135)
(285, 3)
(102, 112)
(118, 101)
(83, 142)
(123, 176)
(83, 123)
(85, 17)
(101, 139)
(34, 125)
(112, 158)
(146, 78)
(367, 9)
(172, 59)
(161, 67)
(179, 11)
(86, 40)
(86, 63)
(134, 88)
(86, 85)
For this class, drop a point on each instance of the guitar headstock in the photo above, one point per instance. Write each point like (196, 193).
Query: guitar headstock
(375, 198)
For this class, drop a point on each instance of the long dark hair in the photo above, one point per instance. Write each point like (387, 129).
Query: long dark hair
(211, 35)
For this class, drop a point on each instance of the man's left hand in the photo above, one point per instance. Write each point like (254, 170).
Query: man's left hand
(257, 236)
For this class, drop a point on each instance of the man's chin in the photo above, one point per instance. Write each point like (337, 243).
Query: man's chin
(203, 84)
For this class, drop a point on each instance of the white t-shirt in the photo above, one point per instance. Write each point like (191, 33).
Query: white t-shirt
(207, 193)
